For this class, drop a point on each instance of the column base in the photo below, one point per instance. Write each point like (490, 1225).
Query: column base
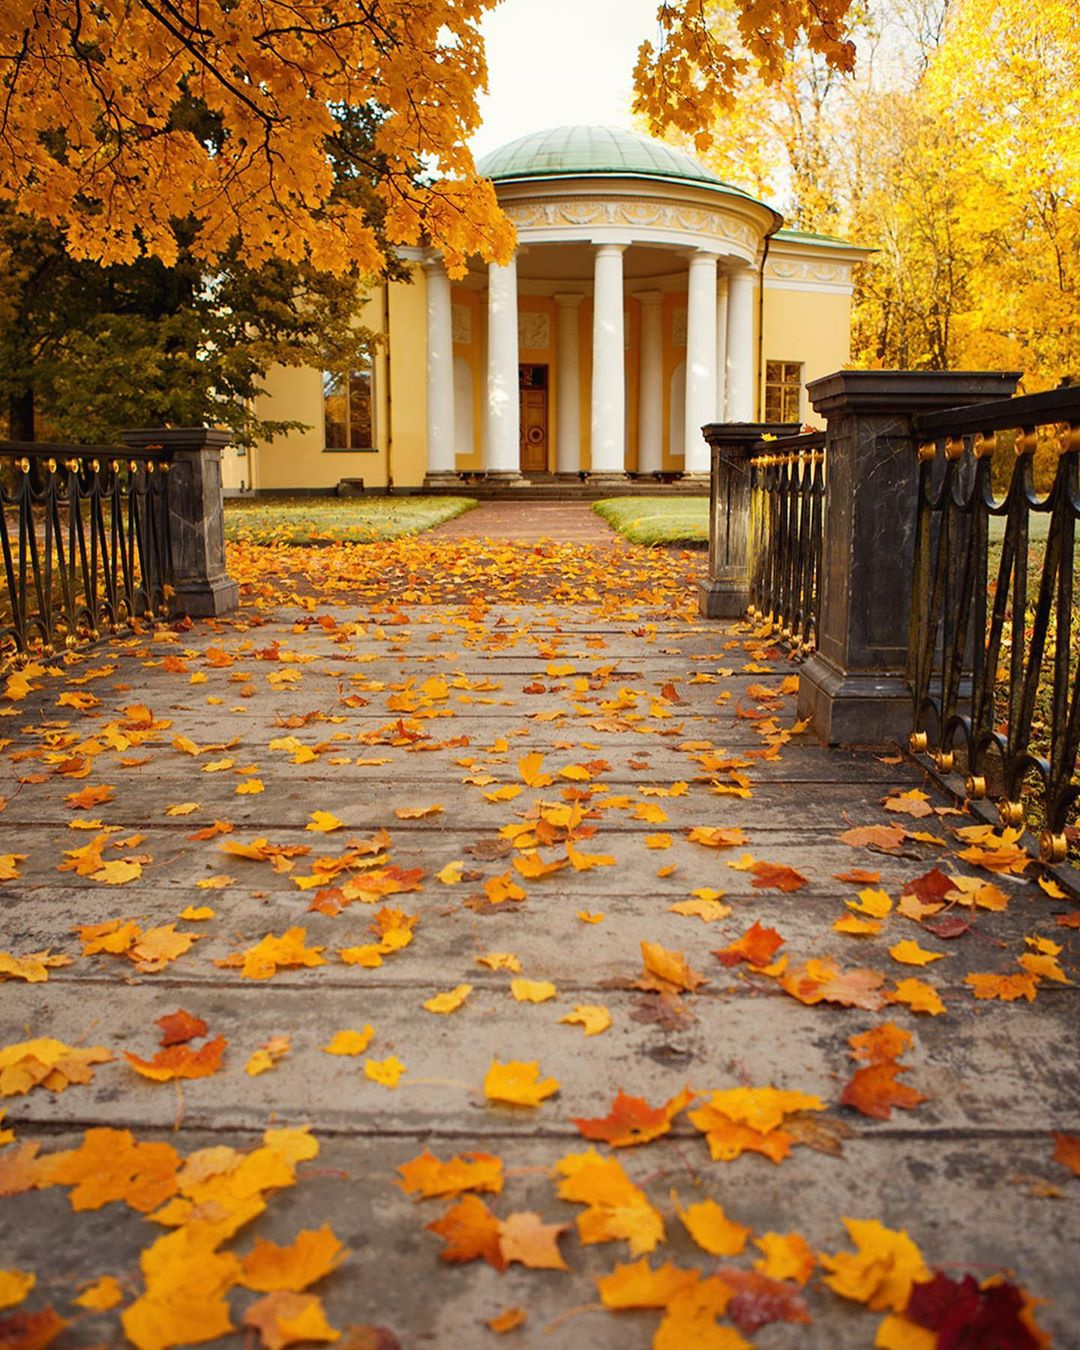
(862, 707)
(504, 477)
(203, 599)
(723, 599)
(442, 478)
(607, 478)
(701, 476)
(569, 476)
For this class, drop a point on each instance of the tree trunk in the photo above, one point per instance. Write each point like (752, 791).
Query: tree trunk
(21, 416)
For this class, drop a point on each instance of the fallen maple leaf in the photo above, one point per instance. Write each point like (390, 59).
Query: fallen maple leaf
(426, 1176)
(776, 877)
(387, 1072)
(180, 1061)
(593, 1017)
(711, 1228)
(349, 1042)
(760, 1300)
(885, 838)
(532, 991)
(757, 947)
(470, 1232)
(112, 1165)
(180, 1026)
(668, 967)
(47, 1063)
(450, 1001)
(881, 1272)
(33, 968)
(715, 836)
(1067, 1151)
(267, 1055)
(919, 997)
(617, 1209)
(909, 953)
(313, 1254)
(283, 1318)
(264, 959)
(509, 1320)
(1007, 988)
(786, 1256)
(324, 822)
(639, 1286)
(524, 1238)
(632, 1120)
(517, 1083)
(823, 981)
(418, 812)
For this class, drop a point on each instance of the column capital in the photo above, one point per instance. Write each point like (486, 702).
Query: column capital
(567, 299)
(606, 250)
(701, 256)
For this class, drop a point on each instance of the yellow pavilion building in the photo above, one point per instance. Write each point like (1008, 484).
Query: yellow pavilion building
(645, 299)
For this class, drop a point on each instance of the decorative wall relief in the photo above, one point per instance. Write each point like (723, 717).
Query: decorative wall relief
(643, 213)
(678, 328)
(534, 331)
(461, 323)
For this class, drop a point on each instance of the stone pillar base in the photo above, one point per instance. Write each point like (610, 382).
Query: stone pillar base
(568, 477)
(442, 478)
(871, 708)
(723, 599)
(504, 477)
(606, 478)
(203, 600)
(696, 477)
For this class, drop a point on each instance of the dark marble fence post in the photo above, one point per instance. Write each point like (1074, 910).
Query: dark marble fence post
(853, 688)
(725, 594)
(196, 515)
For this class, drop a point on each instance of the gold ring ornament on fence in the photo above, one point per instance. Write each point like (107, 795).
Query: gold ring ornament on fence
(1053, 848)
(1069, 438)
(975, 786)
(1026, 441)
(1011, 813)
(984, 444)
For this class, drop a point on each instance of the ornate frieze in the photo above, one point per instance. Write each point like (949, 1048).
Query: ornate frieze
(813, 270)
(631, 213)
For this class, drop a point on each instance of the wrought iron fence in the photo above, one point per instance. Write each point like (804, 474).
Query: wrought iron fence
(994, 641)
(85, 537)
(787, 493)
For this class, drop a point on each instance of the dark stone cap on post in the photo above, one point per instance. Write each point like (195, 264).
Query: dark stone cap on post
(196, 514)
(853, 688)
(725, 593)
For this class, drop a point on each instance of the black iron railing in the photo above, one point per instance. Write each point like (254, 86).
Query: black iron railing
(787, 491)
(994, 640)
(85, 537)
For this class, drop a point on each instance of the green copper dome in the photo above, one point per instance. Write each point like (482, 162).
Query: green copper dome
(566, 151)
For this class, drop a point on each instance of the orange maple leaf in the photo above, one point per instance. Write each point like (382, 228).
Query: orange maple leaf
(668, 967)
(470, 1232)
(632, 1120)
(757, 946)
(180, 1061)
(180, 1026)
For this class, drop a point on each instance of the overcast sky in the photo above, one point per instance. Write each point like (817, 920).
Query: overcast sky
(555, 62)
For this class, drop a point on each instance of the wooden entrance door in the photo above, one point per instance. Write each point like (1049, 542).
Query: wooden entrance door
(533, 398)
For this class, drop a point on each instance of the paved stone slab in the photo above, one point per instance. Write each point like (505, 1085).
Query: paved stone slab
(969, 1173)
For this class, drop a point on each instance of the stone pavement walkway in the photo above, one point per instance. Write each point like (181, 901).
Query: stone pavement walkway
(673, 765)
(530, 522)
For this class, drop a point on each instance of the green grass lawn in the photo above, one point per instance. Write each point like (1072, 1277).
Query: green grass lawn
(657, 520)
(358, 520)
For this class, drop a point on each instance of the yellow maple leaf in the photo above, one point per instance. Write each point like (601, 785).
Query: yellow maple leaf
(594, 1017)
(517, 1083)
(388, 1071)
(102, 1295)
(323, 822)
(350, 1042)
(313, 1254)
(876, 904)
(856, 927)
(711, 1228)
(786, 1256)
(450, 1001)
(450, 875)
(532, 991)
(182, 809)
(709, 911)
(418, 812)
(197, 913)
(117, 872)
(500, 961)
(267, 1055)
(14, 1286)
(918, 995)
(909, 953)
(882, 1270)
(586, 917)
(250, 787)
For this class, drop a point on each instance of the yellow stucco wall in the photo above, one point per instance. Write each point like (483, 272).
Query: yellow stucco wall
(808, 326)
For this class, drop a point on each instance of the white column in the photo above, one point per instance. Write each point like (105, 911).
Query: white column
(568, 376)
(740, 346)
(721, 348)
(440, 373)
(609, 363)
(700, 359)
(651, 388)
(502, 449)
